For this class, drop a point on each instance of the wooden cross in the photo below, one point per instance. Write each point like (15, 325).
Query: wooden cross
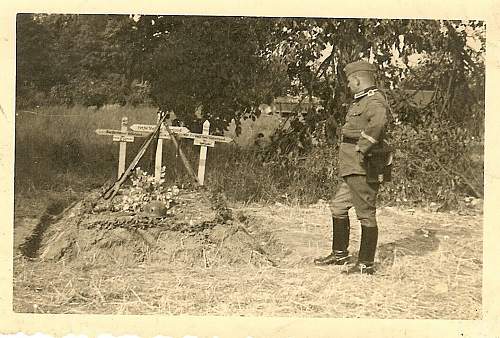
(123, 139)
(204, 140)
(203, 152)
(125, 135)
(159, 154)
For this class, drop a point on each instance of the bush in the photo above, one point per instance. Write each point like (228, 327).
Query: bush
(250, 175)
(440, 162)
(437, 162)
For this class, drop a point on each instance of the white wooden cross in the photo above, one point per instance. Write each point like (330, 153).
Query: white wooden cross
(204, 140)
(123, 139)
(203, 152)
(125, 135)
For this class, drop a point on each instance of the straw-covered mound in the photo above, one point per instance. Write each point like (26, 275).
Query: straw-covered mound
(199, 230)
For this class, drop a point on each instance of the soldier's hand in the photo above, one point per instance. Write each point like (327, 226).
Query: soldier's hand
(361, 156)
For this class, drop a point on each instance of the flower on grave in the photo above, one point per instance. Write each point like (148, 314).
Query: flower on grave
(144, 189)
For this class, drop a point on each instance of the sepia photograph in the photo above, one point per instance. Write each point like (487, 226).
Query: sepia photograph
(250, 166)
(236, 171)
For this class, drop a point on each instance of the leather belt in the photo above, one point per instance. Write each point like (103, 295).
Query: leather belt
(351, 140)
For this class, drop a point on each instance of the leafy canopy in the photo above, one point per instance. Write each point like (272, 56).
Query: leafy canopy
(223, 68)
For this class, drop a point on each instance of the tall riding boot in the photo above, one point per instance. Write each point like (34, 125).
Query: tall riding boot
(367, 248)
(340, 243)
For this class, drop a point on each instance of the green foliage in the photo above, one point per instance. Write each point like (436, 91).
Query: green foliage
(316, 51)
(73, 59)
(222, 66)
(216, 66)
(438, 162)
(34, 72)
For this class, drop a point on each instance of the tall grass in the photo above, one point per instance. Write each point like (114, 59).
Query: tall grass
(57, 149)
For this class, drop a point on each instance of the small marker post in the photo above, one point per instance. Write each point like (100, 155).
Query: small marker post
(123, 148)
(159, 153)
(203, 154)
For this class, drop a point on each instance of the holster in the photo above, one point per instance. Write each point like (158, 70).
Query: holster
(379, 164)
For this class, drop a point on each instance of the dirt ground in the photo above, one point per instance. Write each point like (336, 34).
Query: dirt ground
(429, 265)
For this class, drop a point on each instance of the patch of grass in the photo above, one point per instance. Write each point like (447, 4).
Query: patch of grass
(57, 147)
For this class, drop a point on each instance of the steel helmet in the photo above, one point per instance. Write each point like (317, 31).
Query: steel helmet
(155, 209)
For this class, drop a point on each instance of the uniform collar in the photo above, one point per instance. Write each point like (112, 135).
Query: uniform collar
(366, 92)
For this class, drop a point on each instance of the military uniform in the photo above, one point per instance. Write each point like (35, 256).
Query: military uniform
(363, 157)
(362, 136)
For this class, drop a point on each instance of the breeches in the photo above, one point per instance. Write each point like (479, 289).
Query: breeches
(355, 192)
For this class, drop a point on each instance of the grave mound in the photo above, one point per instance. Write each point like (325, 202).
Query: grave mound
(198, 230)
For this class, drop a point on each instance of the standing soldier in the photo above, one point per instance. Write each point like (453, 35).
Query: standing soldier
(363, 159)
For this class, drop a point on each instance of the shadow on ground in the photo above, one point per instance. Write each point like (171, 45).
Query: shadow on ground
(420, 243)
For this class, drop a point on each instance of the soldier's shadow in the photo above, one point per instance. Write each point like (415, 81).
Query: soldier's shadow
(420, 243)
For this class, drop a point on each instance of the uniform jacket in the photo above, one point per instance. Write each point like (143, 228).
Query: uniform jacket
(366, 121)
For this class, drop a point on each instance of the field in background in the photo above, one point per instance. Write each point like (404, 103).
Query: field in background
(60, 139)
(57, 148)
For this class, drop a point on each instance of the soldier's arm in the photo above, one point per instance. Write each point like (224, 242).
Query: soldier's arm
(377, 119)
